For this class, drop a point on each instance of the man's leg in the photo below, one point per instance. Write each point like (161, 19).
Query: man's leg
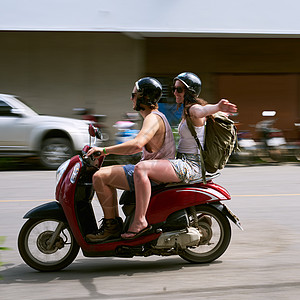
(105, 182)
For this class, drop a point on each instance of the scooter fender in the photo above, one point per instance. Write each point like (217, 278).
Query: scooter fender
(51, 210)
(175, 198)
(228, 213)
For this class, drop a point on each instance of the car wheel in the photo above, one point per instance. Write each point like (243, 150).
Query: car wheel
(54, 152)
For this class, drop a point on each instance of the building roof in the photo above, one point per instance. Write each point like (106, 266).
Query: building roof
(163, 18)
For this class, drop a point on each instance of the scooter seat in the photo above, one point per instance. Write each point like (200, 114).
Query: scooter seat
(128, 197)
(209, 177)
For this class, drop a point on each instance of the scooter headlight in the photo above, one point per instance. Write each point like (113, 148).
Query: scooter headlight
(61, 169)
(75, 173)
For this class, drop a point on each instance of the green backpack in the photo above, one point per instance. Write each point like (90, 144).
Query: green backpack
(220, 142)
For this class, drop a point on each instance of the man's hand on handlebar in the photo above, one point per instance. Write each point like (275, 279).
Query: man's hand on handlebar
(95, 152)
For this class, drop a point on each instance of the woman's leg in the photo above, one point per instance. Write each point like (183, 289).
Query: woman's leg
(156, 170)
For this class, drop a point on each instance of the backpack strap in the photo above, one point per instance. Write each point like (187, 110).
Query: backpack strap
(194, 134)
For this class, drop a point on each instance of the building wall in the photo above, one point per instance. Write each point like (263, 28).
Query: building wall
(223, 55)
(55, 72)
(257, 74)
(255, 93)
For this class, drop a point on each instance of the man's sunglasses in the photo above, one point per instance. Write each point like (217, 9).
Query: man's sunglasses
(178, 89)
(133, 95)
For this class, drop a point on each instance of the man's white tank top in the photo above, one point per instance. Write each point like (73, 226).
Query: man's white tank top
(187, 143)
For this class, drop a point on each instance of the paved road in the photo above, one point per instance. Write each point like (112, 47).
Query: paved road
(262, 262)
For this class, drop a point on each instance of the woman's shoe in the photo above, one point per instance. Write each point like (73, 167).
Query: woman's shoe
(136, 235)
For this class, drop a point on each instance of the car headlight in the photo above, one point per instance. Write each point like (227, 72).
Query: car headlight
(61, 170)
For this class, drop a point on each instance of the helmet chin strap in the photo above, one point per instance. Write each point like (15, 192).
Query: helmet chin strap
(138, 106)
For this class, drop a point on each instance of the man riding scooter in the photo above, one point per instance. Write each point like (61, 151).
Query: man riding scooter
(155, 140)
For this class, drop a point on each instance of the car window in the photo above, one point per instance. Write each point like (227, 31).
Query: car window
(5, 109)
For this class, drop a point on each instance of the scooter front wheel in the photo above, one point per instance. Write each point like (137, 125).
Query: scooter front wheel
(215, 233)
(47, 245)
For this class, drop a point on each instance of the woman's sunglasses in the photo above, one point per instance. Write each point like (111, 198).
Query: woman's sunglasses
(178, 89)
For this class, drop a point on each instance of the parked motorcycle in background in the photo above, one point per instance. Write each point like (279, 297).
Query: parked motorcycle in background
(293, 146)
(97, 120)
(271, 145)
(246, 153)
(247, 148)
(127, 129)
(297, 143)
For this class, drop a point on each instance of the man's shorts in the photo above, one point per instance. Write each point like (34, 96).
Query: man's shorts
(129, 170)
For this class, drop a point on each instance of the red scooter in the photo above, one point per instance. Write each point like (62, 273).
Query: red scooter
(187, 220)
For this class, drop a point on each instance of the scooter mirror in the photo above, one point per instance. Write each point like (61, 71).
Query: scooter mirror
(92, 130)
(98, 134)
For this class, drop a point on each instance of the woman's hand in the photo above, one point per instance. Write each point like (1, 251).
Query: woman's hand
(227, 107)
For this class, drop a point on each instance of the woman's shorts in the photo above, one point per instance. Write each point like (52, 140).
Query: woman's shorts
(187, 167)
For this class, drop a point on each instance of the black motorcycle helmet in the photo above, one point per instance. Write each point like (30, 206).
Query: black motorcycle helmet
(191, 81)
(149, 91)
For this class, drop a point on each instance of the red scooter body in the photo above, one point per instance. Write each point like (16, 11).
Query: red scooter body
(164, 202)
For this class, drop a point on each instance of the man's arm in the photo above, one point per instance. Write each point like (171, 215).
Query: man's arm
(149, 128)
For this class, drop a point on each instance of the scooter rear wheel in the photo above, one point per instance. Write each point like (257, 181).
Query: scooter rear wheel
(33, 244)
(215, 230)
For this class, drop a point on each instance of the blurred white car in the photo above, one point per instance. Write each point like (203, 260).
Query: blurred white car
(24, 133)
